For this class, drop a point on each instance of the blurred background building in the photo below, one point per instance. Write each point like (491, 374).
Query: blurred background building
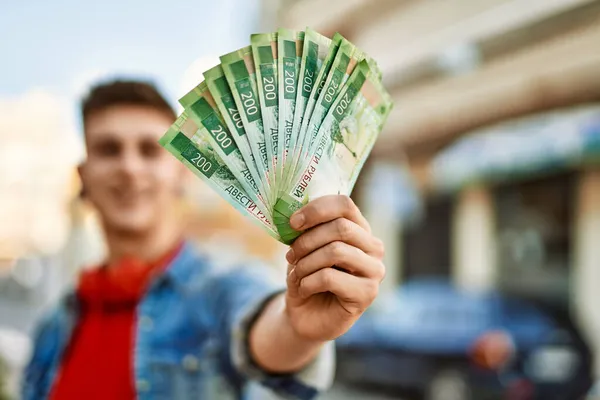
(487, 173)
(497, 117)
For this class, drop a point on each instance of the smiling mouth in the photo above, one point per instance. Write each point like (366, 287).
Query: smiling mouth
(129, 196)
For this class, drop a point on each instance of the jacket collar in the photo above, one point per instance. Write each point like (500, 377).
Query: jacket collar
(185, 264)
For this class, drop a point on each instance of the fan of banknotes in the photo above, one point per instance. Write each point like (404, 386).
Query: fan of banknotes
(287, 119)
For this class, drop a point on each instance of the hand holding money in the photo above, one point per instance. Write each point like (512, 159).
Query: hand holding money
(290, 118)
(281, 130)
(335, 268)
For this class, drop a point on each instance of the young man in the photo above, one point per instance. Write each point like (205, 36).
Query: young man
(156, 320)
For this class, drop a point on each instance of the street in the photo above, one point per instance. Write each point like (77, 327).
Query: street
(340, 392)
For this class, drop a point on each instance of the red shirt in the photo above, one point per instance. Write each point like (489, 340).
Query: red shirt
(98, 363)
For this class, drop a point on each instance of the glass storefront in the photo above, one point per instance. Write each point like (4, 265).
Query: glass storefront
(426, 244)
(534, 237)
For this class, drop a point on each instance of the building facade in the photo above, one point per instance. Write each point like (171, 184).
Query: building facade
(455, 68)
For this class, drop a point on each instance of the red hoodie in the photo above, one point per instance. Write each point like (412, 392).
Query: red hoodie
(98, 363)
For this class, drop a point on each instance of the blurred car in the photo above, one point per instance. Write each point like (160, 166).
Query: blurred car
(594, 393)
(447, 344)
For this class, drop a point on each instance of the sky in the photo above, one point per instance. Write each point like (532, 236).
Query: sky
(50, 52)
(61, 45)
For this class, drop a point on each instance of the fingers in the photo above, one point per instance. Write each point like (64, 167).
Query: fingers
(344, 256)
(325, 209)
(349, 289)
(336, 253)
(341, 230)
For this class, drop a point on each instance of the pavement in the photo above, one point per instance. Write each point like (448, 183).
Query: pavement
(340, 392)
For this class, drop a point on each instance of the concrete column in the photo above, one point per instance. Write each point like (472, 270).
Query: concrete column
(585, 299)
(380, 203)
(473, 240)
(389, 231)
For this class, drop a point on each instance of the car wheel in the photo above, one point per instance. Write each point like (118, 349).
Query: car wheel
(448, 384)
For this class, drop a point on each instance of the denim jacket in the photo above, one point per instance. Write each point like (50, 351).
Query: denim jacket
(191, 338)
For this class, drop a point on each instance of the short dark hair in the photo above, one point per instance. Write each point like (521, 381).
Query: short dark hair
(125, 92)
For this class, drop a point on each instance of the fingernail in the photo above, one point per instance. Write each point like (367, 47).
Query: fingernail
(293, 277)
(290, 256)
(297, 221)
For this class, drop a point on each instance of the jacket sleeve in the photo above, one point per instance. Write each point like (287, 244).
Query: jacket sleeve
(242, 295)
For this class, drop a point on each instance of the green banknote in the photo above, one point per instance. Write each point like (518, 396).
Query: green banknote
(238, 67)
(289, 47)
(221, 93)
(344, 141)
(352, 138)
(316, 85)
(264, 52)
(205, 119)
(314, 50)
(291, 117)
(204, 162)
(346, 59)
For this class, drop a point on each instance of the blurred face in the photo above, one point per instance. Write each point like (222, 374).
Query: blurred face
(128, 176)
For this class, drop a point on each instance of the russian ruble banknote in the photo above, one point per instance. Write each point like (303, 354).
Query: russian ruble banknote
(312, 101)
(240, 73)
(344, 140)
(346, 59)
(290, 45)
(264, 52)
(290, 117)
(219, 89)
(316, 48)
(198, 155)
(205, 119)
